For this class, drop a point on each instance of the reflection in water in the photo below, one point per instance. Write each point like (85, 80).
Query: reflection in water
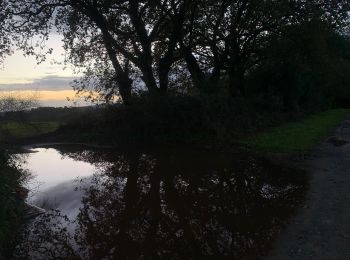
(50, 169)
(180, 205)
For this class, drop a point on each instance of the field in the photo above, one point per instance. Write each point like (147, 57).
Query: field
(14, 130)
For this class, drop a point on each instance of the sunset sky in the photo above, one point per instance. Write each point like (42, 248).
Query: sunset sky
(51, 80)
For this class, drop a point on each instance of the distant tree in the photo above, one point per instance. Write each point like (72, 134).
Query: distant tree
(12, 102)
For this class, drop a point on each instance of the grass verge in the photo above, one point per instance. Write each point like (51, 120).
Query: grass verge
(297, 136)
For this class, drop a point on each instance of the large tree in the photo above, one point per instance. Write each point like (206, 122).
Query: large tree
(125, 45)
(226, 38)
(122, 42)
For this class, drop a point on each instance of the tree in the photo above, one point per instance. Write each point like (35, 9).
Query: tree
(4, 36)
(129, 45)
(305, 68)
(14, 102)
(122, 42)
(11, 102)
(226, 38)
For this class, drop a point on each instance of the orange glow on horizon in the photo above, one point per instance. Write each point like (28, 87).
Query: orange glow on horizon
(56, 95)
(44, 95)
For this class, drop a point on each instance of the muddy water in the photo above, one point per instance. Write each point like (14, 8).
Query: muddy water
(157, 204)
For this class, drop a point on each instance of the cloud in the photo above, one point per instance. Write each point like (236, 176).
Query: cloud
(49, 83)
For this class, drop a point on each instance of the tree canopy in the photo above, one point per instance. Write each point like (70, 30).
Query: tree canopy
(155, 46)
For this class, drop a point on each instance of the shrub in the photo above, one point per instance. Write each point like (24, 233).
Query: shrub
(10, 178)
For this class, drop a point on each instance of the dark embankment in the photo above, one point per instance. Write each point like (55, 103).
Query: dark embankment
(209, 122)
(173, 120)
(10, 211)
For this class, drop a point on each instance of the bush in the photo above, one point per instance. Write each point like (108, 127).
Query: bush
(10, 178)
(172, 119)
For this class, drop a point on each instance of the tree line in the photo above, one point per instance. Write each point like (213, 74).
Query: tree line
(158, 47)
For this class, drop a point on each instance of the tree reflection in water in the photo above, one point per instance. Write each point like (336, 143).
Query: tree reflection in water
(181, 205)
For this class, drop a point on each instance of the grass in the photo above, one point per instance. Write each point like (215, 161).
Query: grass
(12, 129)
(297, 136)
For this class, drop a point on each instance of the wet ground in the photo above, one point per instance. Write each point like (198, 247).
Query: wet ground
(321, 229)
(176, 204)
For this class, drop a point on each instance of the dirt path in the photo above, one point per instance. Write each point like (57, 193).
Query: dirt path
(321, 229)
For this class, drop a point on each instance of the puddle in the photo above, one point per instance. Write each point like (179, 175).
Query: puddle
(156, 205)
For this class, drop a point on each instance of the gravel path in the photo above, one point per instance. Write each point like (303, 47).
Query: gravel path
(321, 229)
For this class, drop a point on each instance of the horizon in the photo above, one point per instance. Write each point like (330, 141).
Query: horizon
(51, 78)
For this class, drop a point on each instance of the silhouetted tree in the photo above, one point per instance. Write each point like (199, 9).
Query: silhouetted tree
(12, 102)
(306, 67)
(119, 41)
(4, 36)
(224, 39)
(138, 45)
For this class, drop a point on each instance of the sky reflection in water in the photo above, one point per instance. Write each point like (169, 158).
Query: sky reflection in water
(50, 168)
(168, 204)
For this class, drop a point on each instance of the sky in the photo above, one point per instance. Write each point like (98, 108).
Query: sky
(50, 80)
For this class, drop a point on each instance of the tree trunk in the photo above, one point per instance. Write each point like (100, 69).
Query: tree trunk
(237, 81)
(198, 77)
(163, 82)
(122, 77)
(163, 72)
(123, 80)
(125, 89)
(149, 80)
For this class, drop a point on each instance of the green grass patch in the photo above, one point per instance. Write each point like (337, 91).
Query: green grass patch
(13, 129)
(297, 136)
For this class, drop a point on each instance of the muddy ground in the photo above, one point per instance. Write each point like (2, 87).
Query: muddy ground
(321, 228)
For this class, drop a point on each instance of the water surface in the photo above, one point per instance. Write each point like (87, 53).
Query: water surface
(176, 204)
(51, 168)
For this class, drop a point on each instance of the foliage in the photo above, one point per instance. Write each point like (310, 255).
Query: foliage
(43, 114)
(46, 237)
(125, 47)
(5, 42)
(192, 70)
(305, 69)
(17, 102)
(297, 136)
(11, 176)
(174, 119)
